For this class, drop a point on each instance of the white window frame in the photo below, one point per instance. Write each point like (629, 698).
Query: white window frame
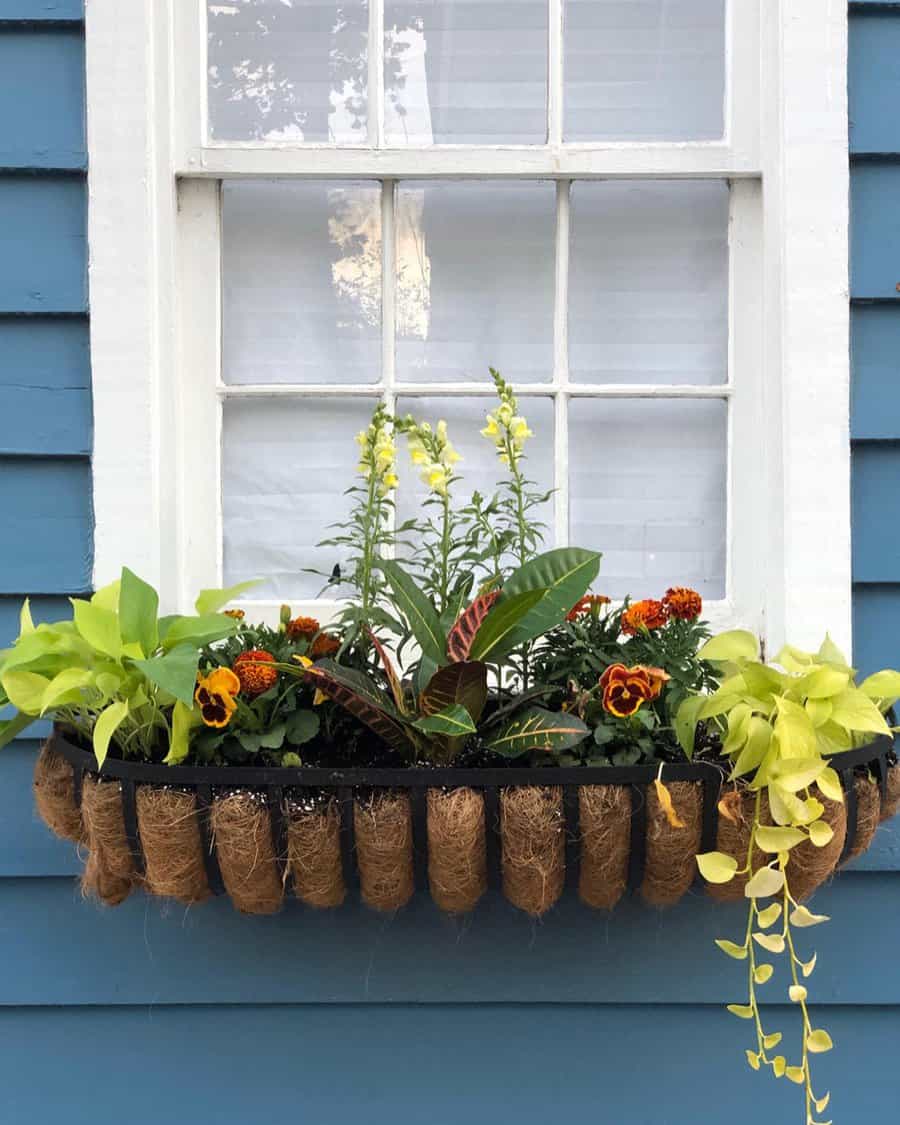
(155, 321)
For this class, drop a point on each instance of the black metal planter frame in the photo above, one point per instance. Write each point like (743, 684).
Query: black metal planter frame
(877, 756)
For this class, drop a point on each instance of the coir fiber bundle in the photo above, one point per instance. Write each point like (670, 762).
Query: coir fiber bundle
(171, 843)
(671, 864)
(457, 862)
(868, 815)
(533, 836)
(54, 795)
(384, 852)
(809, 866)
(890, 802)
(314, 852)
(605, 827)
(242, 832)
(109, 873)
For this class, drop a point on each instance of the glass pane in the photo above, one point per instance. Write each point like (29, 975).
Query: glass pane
(285, 465)
(648, 291)
(475, 276)
(644, 70)
(648, 481)
(288, 70)
(465, 71)
(301, 283)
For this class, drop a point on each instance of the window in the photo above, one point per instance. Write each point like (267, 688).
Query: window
(379, 198)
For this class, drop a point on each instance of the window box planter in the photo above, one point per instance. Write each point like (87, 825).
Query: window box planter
(258, 834)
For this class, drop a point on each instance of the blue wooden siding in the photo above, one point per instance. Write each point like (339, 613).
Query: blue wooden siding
(147, 1014)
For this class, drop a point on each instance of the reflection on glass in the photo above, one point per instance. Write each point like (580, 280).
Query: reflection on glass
(288, 70)
(644, 70)
(647, 483)
(465, 71)
(285, 466)
(480, 468)
(475, 274)
(301, 282)
(648, 289)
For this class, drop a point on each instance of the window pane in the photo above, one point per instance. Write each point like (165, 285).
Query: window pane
(301, 280)
(465, 71)
(648, 485)
(475, 276)
(285, 465)
(648, 292)
(480, 467)
(644, 70)
(288, 70)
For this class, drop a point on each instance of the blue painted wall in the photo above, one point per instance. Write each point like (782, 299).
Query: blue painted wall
(146, 1015)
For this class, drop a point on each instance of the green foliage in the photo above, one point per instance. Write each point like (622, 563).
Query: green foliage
(537, 729)
(114, 672)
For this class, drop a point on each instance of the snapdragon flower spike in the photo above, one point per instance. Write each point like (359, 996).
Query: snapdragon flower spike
(377, 452)
(505, 426)
(432, 453)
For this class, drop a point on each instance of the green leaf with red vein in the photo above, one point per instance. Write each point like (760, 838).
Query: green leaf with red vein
(459, 641)
(356, 694)
(537, 729)
(391, 673)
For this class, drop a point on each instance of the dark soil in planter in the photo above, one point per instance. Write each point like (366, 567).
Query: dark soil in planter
(314, 851)
(533, 834)
(171, 843)
(54, 795)
(242, 833)
(384, 854)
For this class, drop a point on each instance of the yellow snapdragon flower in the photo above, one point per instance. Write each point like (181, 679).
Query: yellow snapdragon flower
(432, 452)
(378, 454)
(505, 427)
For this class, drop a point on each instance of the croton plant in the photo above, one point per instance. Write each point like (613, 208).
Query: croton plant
(460, 640)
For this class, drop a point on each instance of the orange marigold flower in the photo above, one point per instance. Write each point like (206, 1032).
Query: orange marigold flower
(302, 628)
(237, 614)
(625, 689)
(585, 605)
(683, 602)
(215, 697)
(324, 645)
(252, 671)
(648, 614)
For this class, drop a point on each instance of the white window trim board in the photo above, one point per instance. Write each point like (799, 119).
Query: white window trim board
(155, 327)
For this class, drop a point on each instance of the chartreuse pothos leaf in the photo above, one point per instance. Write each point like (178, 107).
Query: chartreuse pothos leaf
(211, 601)
(686, 718)
(138, 613)
(184, 719)
(421, 616)
(453, 722)
(717, 867)
(25, 690)
(765, 882)
(12, 728)
(737, 644)
(882, 685)
(774, 840)
(854, 711)
(738, 952)
(98, 626)
(66, 688)
(26, 624)
(108, 722)
(562, 576)
(537, 729)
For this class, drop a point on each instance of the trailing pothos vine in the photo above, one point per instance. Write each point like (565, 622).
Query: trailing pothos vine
(780, 723)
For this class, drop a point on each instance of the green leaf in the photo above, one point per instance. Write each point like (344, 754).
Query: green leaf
(492, 641)
(175, 672)
(769, 916)
(759, 739)
(464, 683)
(796, 1074)
(562, 576)
(794, 774)
(12, 728)
(738, 952)
(211, 601)
(26, 624)
(108, 722)
(453, 722)
(717, 867)
(302, 726)
(107, 597)
(774, 840)
(829, 783)
(794, 731)
(742, 1011)
(98, 626)
(753, 1059)
(821, 833)
(763, 973)
(808, 967)
(830, 653)
(355, 693)
(765, 882)
(738, 644)
(196, 631)
(184, 720)
(797, 993)
(824, 683)
(854, 711)
(802, 917)
(537, 729)
(686, 718)
(770, 1041)
(65, 688)
(773, 943)
(421, 616)
(273, 737)
(819, 1041)
(25, 690)
(138, 610)
(882, 685)
(819, 711)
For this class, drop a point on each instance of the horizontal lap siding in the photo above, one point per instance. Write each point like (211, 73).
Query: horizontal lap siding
(874, 84)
